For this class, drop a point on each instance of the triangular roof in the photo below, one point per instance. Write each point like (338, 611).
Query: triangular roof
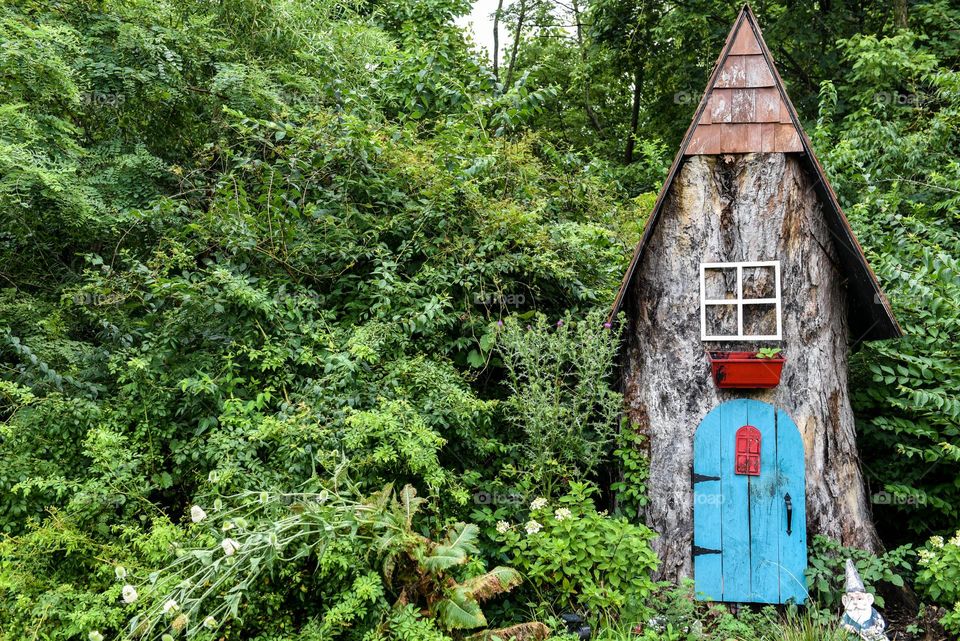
(745, 109)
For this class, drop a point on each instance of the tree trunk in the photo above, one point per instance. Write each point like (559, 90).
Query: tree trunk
(900, 14)
(634, 117)
(587, 107)
(742, 207)
(521, 16)
(496, 40)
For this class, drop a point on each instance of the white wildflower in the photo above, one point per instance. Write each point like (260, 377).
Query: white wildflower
(170, 606)
(120, 572)
(562, 513)
(503, 527)
(95, 636)
(538, 503)
(533, 527)
(230, 546)
(926, 556)
(209, 623)
(197, 514)
(955, 540)
(129, 593)
(936, 541)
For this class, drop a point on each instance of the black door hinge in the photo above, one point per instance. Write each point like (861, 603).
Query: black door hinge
(699, 478)
(697, 551)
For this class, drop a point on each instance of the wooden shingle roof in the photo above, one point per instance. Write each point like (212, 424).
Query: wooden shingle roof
(745, 109)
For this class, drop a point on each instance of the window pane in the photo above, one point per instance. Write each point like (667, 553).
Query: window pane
(721, 320)
(720, 283)
(760, 320)
(759, 282)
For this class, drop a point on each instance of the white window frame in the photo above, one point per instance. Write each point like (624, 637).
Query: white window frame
(740, 301)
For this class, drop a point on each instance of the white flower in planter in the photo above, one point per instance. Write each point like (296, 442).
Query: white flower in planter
(538, 503)
(503, 527)
(197, 514)
(129, 593)
(562, 513)
(533, 527)
(209, 623)
(230, 546)
(170, 606)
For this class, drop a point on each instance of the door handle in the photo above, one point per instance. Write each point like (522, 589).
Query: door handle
(789, 503)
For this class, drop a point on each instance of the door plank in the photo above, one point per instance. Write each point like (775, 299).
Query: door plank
(735, 509)
(793, 548)
(707, 499)
(764, 512)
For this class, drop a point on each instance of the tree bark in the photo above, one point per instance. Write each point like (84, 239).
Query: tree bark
(742, 207)
(634, 117)
(496, 40)
(900, 19)
(521, 16)
(587, 107)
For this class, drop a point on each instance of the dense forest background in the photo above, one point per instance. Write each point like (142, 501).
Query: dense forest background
(255, 254)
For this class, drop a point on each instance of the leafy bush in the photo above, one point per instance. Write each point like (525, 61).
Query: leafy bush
(576, 557)
(939, 576)
(561, 397)
(827, 565)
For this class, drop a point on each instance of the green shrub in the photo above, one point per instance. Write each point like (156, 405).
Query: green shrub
(826, 571)
(939, 576)
(578, 558)
(561, 397)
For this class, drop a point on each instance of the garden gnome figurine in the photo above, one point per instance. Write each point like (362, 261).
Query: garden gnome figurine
(859, 615)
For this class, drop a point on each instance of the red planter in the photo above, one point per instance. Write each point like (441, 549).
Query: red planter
(743, 370)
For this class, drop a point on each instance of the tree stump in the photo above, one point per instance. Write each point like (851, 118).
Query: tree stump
(743, 207)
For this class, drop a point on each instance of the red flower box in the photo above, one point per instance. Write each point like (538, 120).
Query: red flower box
(744, 370)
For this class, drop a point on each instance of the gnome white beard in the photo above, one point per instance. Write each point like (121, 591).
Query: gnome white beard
(858, 605)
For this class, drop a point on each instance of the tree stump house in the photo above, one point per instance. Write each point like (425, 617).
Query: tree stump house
(747, 252)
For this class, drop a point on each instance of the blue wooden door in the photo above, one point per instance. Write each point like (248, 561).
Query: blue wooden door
(749, 531)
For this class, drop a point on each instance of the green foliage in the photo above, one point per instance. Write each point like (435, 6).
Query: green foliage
(826, 571)
(560, 397)
(242, 241)
(808, 627)
(939, 577)
(888, 135)
(634, 469)
(576, 557)
(366, 551)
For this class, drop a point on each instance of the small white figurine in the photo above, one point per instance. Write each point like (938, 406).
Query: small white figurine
(859, 615)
